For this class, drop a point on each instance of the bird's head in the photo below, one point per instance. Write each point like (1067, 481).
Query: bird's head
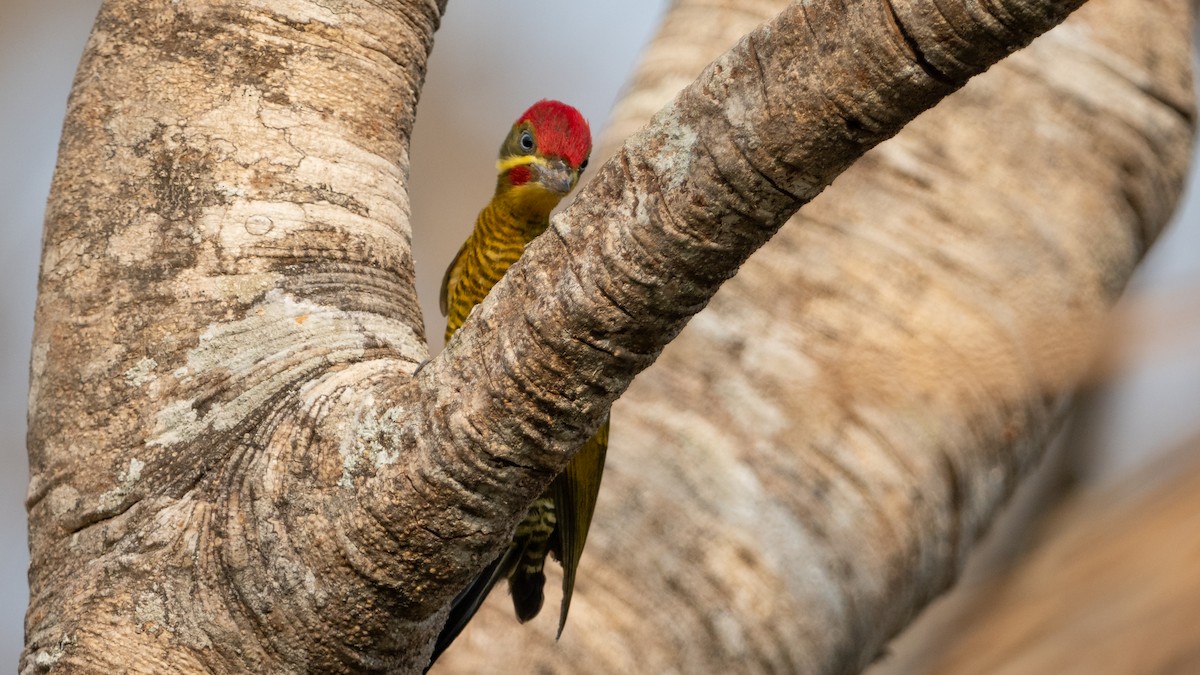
(545, 152)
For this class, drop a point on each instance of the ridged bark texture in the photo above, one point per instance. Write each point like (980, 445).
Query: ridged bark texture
(810, 462)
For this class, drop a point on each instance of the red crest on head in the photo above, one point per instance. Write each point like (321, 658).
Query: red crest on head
(561, 130)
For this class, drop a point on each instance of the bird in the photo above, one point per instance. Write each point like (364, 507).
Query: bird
(540, 162)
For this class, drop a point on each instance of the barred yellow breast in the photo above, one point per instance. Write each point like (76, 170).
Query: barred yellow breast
(540, 162)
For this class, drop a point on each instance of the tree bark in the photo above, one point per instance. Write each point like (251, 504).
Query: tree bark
(1110, 586)
(226, 249)
(811, 461)
(233, 467)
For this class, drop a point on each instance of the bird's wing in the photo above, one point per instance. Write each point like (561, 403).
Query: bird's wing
(575, 491)
(471, 598)
(453, 274)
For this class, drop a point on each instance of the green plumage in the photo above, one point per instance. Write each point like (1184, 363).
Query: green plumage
(530, 184)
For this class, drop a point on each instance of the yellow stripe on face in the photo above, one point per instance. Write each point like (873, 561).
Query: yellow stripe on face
(518, 160)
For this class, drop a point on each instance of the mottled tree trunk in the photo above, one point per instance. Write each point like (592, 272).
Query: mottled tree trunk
(226, 251)
(234, 469)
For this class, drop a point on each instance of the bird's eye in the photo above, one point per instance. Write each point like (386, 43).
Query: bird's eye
(526, 141)
(583, 164)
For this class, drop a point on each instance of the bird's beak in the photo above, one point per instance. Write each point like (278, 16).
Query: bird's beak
(556, 175)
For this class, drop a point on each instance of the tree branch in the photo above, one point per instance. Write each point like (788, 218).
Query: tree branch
(810, 462)
(228, 227)
(662, 225)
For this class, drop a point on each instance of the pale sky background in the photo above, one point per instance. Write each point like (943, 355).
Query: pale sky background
(479, 80)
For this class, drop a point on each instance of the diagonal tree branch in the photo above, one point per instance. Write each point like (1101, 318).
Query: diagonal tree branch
(663, 224)
(810, 462)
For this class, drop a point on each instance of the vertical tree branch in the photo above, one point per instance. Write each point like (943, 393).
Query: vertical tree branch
(228, 224)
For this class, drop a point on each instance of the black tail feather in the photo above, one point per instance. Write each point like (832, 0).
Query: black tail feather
(467, 602)
(527, 594)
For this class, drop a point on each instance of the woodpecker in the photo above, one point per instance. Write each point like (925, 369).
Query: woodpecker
(540, 162)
